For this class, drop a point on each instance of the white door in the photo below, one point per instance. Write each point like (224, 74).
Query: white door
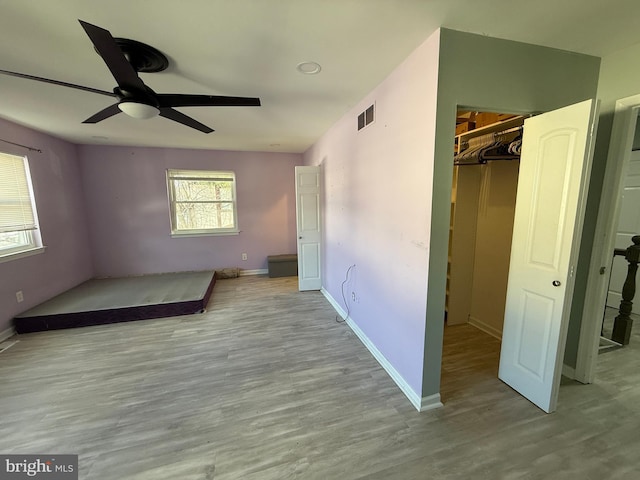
(628, 226)
(308, 227)
(557, 149)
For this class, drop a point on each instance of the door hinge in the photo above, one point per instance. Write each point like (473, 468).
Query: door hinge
(571, 272)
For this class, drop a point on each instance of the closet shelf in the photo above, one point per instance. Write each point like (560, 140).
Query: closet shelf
(494, 127)
(487, 135)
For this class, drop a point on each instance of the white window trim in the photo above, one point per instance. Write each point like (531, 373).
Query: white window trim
(32, 242)
(35, 246)
(204, 234)
(201, 232)
(23, 254)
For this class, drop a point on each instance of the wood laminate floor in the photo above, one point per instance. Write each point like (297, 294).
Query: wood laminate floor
(266, 385)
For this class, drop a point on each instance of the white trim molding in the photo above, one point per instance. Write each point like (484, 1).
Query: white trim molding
(8, 333)
(430, 402)
(262, 271)
(421, 404)
(618, 157)
(480, 325)
(568, 371)
(22, 254)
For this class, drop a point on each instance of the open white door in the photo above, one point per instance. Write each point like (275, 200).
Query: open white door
(557, 150)
(308, 227)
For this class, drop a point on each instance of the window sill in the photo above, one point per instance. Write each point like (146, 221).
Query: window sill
(23, 254)
(204, 234)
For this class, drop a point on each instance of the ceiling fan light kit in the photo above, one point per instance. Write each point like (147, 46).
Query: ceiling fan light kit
(138, 110)
(125, 59)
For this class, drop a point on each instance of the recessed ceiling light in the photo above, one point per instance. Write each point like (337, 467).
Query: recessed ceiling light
(274, 144)
(309, 68)
(99, 137)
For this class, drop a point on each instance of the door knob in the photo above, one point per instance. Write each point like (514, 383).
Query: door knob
(556, 283)
(299, 238)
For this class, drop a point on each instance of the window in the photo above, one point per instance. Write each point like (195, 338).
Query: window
(202, 202)
(18, 218)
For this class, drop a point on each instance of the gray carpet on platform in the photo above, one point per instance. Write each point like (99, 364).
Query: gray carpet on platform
(113, 293)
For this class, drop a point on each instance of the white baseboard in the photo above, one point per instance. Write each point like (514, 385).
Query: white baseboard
(421, 404)
(262, 271)
(479, 324)
(430, 402)
(569, 372)
(338, 308)
(8, 333)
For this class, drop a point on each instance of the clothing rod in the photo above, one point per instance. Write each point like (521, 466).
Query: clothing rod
(492, 158)
(462, 164)
(509, 130)
(31, 149)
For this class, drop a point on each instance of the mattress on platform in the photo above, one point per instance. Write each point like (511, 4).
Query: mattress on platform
(110, 300)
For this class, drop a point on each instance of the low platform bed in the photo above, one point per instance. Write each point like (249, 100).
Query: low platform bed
(112, 300)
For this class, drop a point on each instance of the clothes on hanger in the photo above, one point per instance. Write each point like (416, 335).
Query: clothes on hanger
(515, 147)
(492, 146)
(475, 145)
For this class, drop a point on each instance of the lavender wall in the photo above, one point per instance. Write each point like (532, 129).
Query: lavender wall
(66, 261)
(377, 190)
(388, 187)
(126, 198)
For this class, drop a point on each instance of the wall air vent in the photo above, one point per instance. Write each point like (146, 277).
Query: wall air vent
(366, 117)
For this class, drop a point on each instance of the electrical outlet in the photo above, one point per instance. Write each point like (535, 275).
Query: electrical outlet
(244, 256)
(353, 296)
(19, 296)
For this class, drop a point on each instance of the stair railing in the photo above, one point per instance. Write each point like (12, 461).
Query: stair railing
(623, 322)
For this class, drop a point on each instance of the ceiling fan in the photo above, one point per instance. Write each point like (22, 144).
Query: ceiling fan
(125, 59)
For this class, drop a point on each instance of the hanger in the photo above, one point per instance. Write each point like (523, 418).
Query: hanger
(490, 146)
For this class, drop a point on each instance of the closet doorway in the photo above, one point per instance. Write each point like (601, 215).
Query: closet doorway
(515, 235)
(483, 199)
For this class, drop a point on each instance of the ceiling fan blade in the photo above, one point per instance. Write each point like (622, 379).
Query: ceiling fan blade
(178, 100)
(176, 116)
(120, 68)
(58, 82)
(110, 111)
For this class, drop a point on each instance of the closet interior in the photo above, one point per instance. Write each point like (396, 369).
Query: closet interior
(485, 178)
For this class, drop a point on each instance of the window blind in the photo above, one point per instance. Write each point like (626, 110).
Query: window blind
(16, 211)
(200, 175)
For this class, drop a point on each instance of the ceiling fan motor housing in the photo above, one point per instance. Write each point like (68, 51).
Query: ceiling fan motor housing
(142, 57)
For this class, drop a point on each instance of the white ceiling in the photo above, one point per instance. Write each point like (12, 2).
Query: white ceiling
(251, 48)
